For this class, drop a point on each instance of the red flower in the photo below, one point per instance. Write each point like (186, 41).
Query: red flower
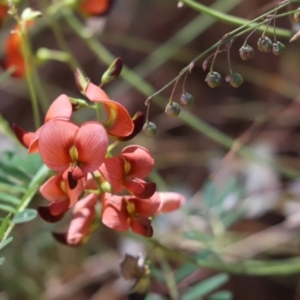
(61, 109)
(118, 122)
(121, 213)
(57, 190)
(66, 147)
(13, 51)
(95, 7)
(128, 169)
(170, 201)
(80, 226)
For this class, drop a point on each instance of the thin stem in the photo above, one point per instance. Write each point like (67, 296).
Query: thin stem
(27, 59)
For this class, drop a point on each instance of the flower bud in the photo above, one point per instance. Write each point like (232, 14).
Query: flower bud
(28, 14)
(81, 81)
(187, 99)
(278, 48)
(264, 44)
(149, 128)
(235, 79)
(213, 79)
(246, 52)
(297, 16)
(113, 71)
(172, 109)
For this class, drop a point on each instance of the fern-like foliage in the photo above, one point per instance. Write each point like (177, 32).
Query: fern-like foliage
(20, 177)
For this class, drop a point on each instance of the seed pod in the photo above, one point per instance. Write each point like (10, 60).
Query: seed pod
(246, 52)
(149, 128)
(172, 109)
(297, 16)
(264, 44)
(213, 79)
(187, 99)
(235, 79)
(278, 48)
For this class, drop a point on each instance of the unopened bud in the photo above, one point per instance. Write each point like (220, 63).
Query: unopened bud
(213, 79)
(113, 71)
(264, 44)
(278, 48)
(235, 79)
(172, 109)
(187, 99)
(246, 52)
(81, 81)
(149, 128)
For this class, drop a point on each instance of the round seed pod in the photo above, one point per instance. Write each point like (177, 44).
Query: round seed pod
(235, 79)
(213, 79)
(172, 109)
(149, 128)
(278, 48)
(246, 52)
(187, 99)
(264, 44)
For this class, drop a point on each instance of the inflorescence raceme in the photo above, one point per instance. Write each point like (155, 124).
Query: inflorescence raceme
(87, 174)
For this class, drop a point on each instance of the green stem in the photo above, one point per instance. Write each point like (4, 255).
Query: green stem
(34, 186)
(194, 122)
(27, 59)
(249, 267)
(236, 20)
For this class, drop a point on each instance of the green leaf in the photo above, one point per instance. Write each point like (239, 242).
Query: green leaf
(2, 259)
(185, 271)
(11, 188)
(4, 225)
(221, 295)
(6, 242)
(9, 198)
(205, 287)
(24, 216)
(5, 75)
(7, 208)
(154, 297)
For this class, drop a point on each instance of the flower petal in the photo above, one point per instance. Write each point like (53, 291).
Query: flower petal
(138, 122)
(139, 187)
(61, 108)
(46, 212)
(23, 136)
(112, 170)
(140, 160)
(52, 189)
(95, 94)
(146, 207)
(91, 142)
(95, 7)
(118, 122)
(55, 140)
(142, 226)
(83, 216)
(170, 201)
(114, 213)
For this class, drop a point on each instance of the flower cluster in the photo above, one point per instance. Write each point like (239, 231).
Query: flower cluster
(86, 169)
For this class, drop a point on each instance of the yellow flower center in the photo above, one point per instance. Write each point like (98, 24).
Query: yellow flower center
(130, 208)
(73, 153)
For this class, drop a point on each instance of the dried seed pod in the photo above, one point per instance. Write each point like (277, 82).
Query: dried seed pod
(149, 128)
(297, 16)
(246, 52)
(172, 109)
(187, 99)
(278, 48)
(235, 79)
(213, 79)
(264, 44)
